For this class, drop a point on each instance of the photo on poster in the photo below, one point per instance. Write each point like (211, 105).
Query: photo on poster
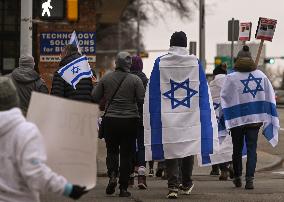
(245, 31)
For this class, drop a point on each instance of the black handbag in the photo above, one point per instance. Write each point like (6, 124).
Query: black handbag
(101, 133)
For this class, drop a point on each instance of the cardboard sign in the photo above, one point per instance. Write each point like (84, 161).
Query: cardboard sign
(245, 31)
(69, 132)
(265, 29)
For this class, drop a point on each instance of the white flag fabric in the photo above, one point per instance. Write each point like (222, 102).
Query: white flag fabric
(248, 97)
(76, 70)
(224, 154)
(74, 40)
(179, 118)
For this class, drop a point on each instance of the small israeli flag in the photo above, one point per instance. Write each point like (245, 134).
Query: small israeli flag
(74, 40)
(179, 118)
(76, 70)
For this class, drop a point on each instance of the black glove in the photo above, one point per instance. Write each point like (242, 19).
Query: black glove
(77, 192)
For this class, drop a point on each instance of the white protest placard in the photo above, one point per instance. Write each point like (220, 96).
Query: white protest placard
(245, 31)
(69, 130)
(265, 29)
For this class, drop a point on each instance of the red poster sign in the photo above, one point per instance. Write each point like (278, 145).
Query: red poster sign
(265, 29)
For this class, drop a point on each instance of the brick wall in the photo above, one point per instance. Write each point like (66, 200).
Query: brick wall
(86, 23)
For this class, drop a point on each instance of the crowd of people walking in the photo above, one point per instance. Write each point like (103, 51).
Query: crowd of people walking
(144, 120)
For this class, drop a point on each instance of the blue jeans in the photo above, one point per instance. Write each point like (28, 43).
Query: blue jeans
(250, 134)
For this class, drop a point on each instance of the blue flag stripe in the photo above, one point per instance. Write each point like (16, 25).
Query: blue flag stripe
(81, 74)
(205, 114)
(268, 132)
(155, 113)
(250, 108)
(62, 70)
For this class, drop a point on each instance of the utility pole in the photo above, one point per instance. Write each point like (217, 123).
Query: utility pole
(26, 27)
(202, 33)
(138, 26)
(119, 37)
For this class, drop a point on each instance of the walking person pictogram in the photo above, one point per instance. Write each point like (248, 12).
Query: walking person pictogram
(46, 6)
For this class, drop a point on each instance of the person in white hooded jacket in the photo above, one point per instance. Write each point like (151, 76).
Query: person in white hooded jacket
(24, 174)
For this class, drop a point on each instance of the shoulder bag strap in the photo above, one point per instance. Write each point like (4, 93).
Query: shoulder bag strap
(114, 93)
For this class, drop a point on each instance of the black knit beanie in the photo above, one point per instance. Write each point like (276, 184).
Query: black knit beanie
(178, 39)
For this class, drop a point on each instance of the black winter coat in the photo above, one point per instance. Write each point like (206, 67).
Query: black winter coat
(61, 88)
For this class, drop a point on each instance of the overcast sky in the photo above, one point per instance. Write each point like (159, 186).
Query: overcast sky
(157, 36)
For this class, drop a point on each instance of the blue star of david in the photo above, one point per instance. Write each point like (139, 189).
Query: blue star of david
(216, 105)
(75, 69)
(247, 88)
(171, 94)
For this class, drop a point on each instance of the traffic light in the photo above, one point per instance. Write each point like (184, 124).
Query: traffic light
(269, 61)
(52, 9)
(72, 10)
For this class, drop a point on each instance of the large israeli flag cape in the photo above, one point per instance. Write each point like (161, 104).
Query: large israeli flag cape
(76, 70)
(74, 40)
(179, 118)
(247, 98)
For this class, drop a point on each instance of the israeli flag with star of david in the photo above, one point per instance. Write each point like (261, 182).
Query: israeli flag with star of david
(248, 98)
(76, 70)
(179, 118)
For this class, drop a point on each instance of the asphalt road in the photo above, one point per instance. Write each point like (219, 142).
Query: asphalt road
(268, 185)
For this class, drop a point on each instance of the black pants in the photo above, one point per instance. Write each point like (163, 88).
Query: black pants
(120, 138)
(251, 135)
(174, 166)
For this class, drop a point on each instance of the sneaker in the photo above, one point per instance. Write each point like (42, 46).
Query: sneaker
(151, 173)
(237, 182)
(111, 186)
(142, 182)
(172, 194)
(124, 193)
(187, 190)
(223, 176)
(249, 183)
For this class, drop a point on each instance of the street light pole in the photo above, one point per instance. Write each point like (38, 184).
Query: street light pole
(26, 27)
(138, 26)
(202, 33)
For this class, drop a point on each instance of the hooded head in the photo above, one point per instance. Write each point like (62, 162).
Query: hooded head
(178, 39)
(123, 61)
(69, 49)
(137, 64)
(244, 53)
(27, 61)
(244, 62)
(8, 94)
(220, 69)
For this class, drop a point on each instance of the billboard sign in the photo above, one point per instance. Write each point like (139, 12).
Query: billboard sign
(52, 44)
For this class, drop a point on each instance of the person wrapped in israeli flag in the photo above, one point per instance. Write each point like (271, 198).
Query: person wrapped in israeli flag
(76, 70)
(224, 154)
(179, 117)
(248, 102)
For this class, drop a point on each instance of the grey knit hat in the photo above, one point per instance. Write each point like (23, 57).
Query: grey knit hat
(244, 52)
(26, 61)
(8, 94)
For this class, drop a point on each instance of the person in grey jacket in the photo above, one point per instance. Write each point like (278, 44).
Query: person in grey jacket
(121, 120)
(26, 80)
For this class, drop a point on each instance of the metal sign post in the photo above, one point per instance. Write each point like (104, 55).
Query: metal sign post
(233, 35)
